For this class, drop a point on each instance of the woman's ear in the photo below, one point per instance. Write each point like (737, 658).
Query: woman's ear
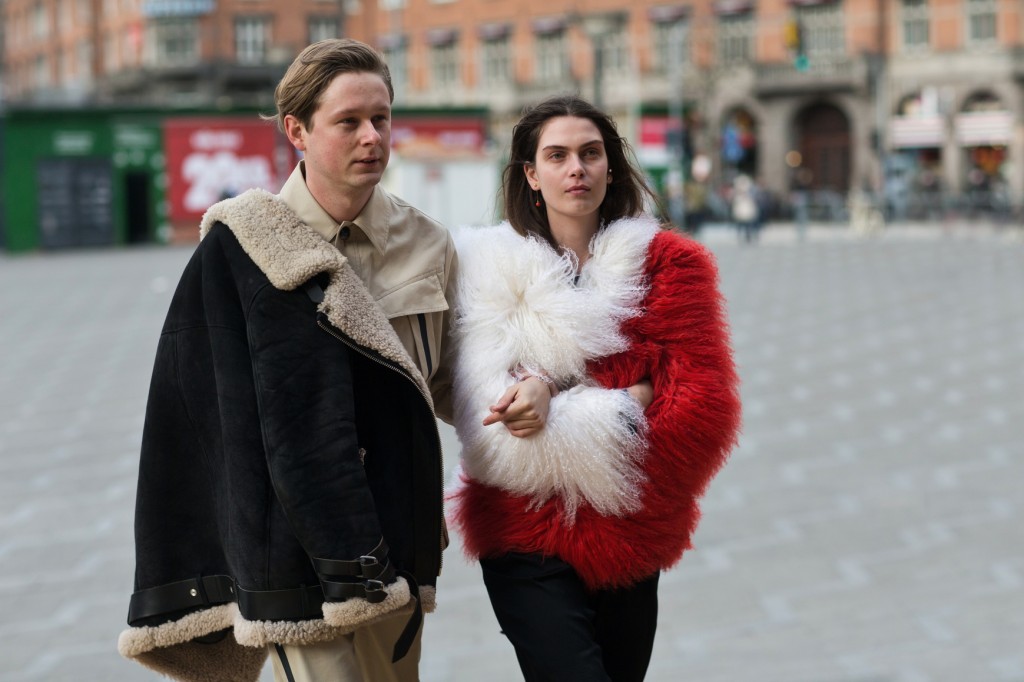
(531, 176)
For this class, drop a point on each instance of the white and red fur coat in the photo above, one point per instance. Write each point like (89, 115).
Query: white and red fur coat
(606, 486)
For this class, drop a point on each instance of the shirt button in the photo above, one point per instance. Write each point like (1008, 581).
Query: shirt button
(345, 232)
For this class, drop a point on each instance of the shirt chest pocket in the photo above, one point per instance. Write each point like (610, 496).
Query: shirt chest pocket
(415, 310)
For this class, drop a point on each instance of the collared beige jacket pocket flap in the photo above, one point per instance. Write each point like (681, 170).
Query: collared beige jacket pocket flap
(421, 295)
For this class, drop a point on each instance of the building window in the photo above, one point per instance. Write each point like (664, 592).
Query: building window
(735, 35)
(396, 56)
(497, 57)
(84, 11)
(251, 40)
(322, 28)
(615, 51)
(40, 22)
(84, 58)
(671, 45)
(552, 58)
(981, 21)
(915, 24)
(444, 65)
(173, 41)
(67, 68)
(41, 75)
(111, 64)
(823, 34)
(65, 16)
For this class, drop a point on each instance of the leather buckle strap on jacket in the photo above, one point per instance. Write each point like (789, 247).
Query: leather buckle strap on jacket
(210, 590)
(372, 566)
(364, 577)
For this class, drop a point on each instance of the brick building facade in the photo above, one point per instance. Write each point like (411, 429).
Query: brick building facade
(915, 100)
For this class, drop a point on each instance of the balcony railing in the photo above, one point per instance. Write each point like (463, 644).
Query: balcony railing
(176, 8)
(824, 74)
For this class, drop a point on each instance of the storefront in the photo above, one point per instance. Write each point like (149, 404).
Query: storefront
(103, 177)
(106, 177)
(984, 132)
(914, 185)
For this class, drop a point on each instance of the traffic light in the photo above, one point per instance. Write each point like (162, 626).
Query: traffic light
(794, 36)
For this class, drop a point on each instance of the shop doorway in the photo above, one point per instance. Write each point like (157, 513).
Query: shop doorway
(137, 202)
(984, 129)
(821, 164)
(823, 140)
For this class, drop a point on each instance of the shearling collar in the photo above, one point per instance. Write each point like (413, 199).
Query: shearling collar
(290, 253)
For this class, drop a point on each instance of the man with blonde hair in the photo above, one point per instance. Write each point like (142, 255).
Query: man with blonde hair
(290, 482)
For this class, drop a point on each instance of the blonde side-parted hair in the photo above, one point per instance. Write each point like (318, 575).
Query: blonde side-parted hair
(307, 78)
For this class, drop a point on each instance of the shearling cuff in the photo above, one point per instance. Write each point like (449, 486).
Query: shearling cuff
(355, 613)
(170, 649)
(428, 598)
(588, 450)
(340, 618)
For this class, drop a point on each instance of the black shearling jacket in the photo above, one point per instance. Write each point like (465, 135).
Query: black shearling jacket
(287, 434)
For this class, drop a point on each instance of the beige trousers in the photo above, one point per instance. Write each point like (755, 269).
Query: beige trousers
(362, 656)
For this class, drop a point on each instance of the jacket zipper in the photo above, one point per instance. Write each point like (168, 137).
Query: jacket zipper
(437, 436)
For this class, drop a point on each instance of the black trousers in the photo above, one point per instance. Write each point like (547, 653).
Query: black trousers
(563, 633)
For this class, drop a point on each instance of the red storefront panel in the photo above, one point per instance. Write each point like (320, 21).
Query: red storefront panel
(209, 159)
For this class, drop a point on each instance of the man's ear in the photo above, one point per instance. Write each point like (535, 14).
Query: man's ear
(295, 131)
(531, 175)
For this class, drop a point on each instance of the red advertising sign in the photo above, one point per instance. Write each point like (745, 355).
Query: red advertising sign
(654, 131)
(435, 138)
(209, 159)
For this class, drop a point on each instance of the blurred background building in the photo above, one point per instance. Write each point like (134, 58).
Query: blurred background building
(915, 105)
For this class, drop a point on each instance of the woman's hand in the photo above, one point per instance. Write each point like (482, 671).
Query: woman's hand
(642, 392)
(523, 408)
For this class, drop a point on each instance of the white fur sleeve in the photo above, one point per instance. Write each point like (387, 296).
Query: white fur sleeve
(588, 449)
(517, 303)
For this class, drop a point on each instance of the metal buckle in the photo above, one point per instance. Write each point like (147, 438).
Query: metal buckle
(374, 591)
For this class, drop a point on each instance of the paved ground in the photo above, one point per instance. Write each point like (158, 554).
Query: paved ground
(868, 529)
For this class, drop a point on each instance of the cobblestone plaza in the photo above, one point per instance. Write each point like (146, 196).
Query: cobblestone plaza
(867, 529)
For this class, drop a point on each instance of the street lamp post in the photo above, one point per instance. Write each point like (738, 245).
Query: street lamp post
(676, 138)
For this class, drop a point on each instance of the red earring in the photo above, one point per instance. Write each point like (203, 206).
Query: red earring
(537, 201)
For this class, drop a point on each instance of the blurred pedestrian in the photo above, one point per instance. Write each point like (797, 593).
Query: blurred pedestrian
(746, 212)
(619, 321)
(290, 482)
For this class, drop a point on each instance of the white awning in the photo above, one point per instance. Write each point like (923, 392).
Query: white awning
(980, 128)
(916, 132)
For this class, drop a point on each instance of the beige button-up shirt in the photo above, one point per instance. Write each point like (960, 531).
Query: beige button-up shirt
(407, 262)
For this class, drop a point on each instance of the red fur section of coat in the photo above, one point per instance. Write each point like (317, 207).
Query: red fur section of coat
(681, 343)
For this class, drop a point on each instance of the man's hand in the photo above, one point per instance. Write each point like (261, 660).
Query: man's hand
(523, 408)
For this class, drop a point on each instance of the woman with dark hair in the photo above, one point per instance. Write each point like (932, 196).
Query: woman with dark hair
(575, 507)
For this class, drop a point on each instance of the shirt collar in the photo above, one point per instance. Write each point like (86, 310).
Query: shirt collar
(374, 220)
